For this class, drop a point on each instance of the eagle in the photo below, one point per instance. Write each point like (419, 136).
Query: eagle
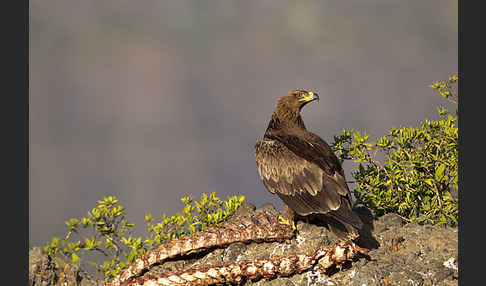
(302, 169)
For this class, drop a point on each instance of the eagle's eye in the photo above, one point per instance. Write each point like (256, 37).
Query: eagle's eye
(298, 94)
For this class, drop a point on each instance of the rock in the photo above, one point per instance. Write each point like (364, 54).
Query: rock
(268, 208)
(45, 270)
(408, 255)
(233, 252)
(245, 209)
(401, 254)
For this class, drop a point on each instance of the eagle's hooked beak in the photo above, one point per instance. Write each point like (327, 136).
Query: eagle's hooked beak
(309, 97)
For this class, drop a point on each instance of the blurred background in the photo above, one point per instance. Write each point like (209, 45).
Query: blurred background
(153, 100)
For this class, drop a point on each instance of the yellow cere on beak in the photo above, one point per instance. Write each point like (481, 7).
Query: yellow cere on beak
(308, 97)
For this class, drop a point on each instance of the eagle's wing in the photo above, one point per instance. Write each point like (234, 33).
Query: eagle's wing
(302, 184)
(314, 149)
(333, 198)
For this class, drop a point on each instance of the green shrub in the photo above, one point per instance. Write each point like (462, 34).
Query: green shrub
(106, 231)
(195, 216)
(417, 178)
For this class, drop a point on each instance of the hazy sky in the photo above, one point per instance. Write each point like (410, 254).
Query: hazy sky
(152, 100)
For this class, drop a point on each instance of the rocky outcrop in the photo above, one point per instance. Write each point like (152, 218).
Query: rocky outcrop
(45, 270)
(400, 254)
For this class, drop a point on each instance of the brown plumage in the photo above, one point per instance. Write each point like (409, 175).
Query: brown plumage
(302, 169)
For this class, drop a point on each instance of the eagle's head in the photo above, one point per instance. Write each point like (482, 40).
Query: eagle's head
(287, 111)
(295, 99)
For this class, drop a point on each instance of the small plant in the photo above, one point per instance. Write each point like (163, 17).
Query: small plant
(106, 231)
(417, 178)
(446, 88)
(195, 216)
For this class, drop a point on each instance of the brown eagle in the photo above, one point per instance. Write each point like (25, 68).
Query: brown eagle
(302, 169)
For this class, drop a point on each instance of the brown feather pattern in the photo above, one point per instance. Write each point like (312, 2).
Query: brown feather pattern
(302, 169)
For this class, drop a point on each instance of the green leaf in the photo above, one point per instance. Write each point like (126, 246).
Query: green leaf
(439, 172)
(429, 182)
(75, 258)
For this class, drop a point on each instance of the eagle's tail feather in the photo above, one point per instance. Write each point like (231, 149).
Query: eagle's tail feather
(344, 221)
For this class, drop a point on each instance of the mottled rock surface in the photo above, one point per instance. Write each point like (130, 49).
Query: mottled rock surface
(401, 254)
(45, 270)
